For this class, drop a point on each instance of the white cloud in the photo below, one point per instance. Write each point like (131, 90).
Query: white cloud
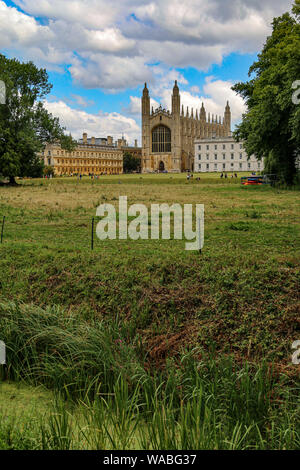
(135, 106)
(113, 45)
(18, 29)
(96, 125)
(118, 45)
(90, 13)
(109, 40)
(195, 89)
(111, 72)
(164, 78)
(219, 91)
(82, 101)
(215, 95)
(211, 22)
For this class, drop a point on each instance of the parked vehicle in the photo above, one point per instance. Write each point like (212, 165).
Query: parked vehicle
(259, 180)
(252, 180)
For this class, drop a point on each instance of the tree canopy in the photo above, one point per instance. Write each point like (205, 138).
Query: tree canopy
(25, 124)
(130, 163)
(271, 125)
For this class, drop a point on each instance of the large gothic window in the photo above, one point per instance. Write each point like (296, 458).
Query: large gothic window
(161, 139)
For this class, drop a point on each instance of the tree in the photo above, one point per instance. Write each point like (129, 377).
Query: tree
(271, 125)
(25, 124)
(48, 171)
(130, 163)
(296, 8)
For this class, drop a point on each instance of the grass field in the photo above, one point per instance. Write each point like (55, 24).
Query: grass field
(188, 350)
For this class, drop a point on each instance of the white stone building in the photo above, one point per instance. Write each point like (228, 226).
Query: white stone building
(223, 154)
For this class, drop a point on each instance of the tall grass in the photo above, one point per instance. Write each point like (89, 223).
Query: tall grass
(63, 352)
(106, 399)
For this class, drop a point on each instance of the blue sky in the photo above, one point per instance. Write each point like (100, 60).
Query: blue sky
(99, 54)
(234, 67)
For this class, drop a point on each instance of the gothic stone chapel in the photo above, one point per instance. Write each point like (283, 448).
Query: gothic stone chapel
(168, 137)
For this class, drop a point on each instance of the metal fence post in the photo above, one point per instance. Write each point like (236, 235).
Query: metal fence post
(93, 221)
(2, 229)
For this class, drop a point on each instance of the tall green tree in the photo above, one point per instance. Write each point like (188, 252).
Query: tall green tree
(271, 125)
(25, 124)
(130, 163)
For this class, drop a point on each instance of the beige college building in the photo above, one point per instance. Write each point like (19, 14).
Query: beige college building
(168, 136)
(92, 156)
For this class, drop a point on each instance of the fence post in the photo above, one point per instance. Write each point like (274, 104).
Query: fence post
(2, 229)
(93, 221)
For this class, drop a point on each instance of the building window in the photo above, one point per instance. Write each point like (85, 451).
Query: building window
(241, 165)
(207, 147)
(231, 164)
(199, 156)
(207, 166)
(241, 146)
(161, 139)
(207, 156)
(199, 166)
(216, 156)
(224, 166)
(241, 156)
(216, 147)
(216, 166)
(199, 147)
(224, 156)
(49, 161)
(258, 165)
(224, 146)
(249, 165)
(232, 146)
(232, 156)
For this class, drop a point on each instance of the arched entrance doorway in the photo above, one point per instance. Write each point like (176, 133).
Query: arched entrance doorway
(161, 167)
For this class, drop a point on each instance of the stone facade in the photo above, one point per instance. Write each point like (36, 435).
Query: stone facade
(168, 136)
(93, 156)
(223, 155)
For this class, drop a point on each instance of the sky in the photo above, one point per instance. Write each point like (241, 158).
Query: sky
(99, 54)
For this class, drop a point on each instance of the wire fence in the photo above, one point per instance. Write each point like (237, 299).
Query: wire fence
(80, 232)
